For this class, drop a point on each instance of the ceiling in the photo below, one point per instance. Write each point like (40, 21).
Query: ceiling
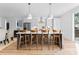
(37, 9)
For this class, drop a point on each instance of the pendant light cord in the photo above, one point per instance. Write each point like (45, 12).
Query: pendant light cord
(29, 4)
(50, 9)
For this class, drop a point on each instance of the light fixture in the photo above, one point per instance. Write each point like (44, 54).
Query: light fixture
(29, 15)
(50, 16)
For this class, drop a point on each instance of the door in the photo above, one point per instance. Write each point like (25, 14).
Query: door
(7, 26)
(76, 26)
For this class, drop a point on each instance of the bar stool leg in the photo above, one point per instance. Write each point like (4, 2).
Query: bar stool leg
(59, 43)
(48, 43)
(19, 41)
(48, 46)
(53, 42)
(37, 42)
(26, 38)
(42, 43)
(31, 42)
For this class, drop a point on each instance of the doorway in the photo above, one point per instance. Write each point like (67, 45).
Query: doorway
(7, 25)
(76, 27)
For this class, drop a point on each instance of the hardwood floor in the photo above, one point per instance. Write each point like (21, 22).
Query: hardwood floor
(2, 46)
(69, 48)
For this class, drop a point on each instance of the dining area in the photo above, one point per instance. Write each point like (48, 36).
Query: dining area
(37, 39)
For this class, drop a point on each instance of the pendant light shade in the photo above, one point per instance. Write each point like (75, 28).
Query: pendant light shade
(50, 16)
(29, 15)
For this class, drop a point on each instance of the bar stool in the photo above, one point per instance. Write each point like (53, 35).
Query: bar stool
(20, 41)
(45, 36)
(27, 40)
(57, 39)
(34, 39)
(39, 40)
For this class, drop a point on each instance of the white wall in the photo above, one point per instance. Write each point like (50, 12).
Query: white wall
(12, 22)
(0, 22)
(57, 23)
(67, 19)
(12, 26)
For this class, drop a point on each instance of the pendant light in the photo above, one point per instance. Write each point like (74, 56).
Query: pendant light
(50, 16)
(29, 15)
